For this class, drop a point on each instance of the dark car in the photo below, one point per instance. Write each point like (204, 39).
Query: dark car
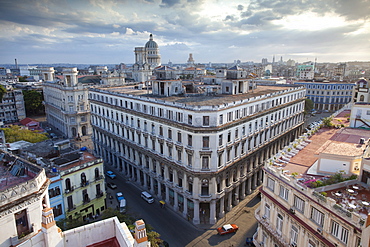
(113, 186)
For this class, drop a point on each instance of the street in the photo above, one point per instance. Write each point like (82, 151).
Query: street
(177, 231)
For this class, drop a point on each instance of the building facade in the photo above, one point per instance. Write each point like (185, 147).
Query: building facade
(82, 184)
(330, 96)
(23, 193)
(12, 108)
(66, 103)
(202, 155)
(317, 192)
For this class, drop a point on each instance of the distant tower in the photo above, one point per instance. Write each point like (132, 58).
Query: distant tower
(281, 59)
(47, 73)
(190, 60)
(16, 64)
(70, 77)
(273, 59)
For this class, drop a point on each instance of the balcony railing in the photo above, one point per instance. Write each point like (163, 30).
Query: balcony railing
(72, 208)
(69, 190)
(85, 183)
(99, 195)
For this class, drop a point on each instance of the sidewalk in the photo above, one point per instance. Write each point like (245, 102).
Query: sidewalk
(230, 216)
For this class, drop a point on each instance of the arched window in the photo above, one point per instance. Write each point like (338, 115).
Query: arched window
(68, 184)
(96, 173)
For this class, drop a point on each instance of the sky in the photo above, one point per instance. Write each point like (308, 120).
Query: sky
(217, 31)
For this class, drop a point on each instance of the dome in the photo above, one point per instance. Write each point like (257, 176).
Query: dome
(151, 43)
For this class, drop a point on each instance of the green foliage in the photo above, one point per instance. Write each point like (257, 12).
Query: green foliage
(333, 179)
(327, 122)
(16, 133)
(23, 78)
(66, 224)
(308, 106)
(154, 239)
(33, 102)
(2, 92)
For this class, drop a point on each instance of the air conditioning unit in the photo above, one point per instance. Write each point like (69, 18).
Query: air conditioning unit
(293, 244)
(292, 210)
(319, 230)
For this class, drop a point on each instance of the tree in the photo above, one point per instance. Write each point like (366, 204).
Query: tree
(308, 106)
(33, 102)
(2, 92)
(23, 78)
(16, 133)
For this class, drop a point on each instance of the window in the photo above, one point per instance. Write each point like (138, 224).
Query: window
(179, 155)
(279, 224)
(190, 140)
(267, 212)
(205, 120)
(294, 235)
(221, 119)
(299, 203)
(190, 159)
(190, 119)
(205, 162)
(271, 184)
(205, 141)
(178, 136)
(169, 134)
(317, 216)
(284, 192)
(220, 140)
(339, 232)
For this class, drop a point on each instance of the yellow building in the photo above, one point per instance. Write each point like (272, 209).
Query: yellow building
(83, 184)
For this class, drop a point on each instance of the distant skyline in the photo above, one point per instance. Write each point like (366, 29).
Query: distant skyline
(106, 32)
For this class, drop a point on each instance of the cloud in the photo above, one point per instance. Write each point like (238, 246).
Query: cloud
(210, 30)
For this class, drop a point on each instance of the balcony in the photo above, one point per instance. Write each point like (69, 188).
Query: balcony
(72, 208)
(67, 191)
(85, 183)
(86, 201)
(99, 178)
(100, 194)
(278, 238)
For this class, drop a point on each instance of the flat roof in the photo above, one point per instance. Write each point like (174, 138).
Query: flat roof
(14, 171)
(201, 100)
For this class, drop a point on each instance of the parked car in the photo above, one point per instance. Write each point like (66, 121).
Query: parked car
(111, 174)
(229, 228)
(113, 186)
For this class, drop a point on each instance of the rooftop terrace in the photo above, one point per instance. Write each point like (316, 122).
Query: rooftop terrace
(204, 100)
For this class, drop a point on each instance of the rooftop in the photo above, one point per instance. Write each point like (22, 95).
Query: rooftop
(204, 100)
(14, 171)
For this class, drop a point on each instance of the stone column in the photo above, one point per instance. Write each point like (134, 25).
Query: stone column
(185, 212)
(167, 194)
(152, 185)
(138, 176)
(254, 184)
(260, 177)
(145, 182)
(230, 203)
(196, 213)
(242, 196)
(222, 207)
(249, 185)
(159, 194)
(175, 201)
(212, 215)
